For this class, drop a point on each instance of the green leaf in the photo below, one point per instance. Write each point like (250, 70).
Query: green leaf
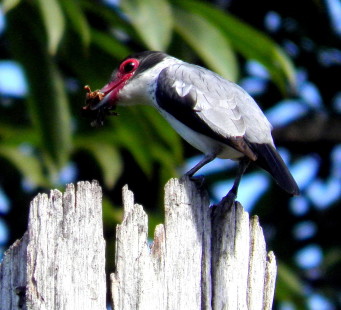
(8, 5)
(208, 41)
(109, 44)
(150, 139)
(47, 100)
(28, 165)
(51, 114)
(107, 157)
(164, 134)
(165, 158)
(112, 215)
(152, 20)
(249, 42)
(15, 135)
(135, 140)
(114, 19)
(53, 21)
(291, 280)
(289, 286)
(77, 19)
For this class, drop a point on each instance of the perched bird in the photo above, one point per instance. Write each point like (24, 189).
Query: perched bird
(214, 115)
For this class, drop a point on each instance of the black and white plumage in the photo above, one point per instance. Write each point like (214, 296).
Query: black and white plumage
(213, 114)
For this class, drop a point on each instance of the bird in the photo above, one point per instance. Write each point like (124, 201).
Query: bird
(213, 114)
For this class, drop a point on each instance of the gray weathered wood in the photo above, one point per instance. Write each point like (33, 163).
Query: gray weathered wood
(200, 259)
(13, 275)
(65, 254)
(168, 274)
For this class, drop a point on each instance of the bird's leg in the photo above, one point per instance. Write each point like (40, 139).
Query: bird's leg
(207, 158)
(232, 194)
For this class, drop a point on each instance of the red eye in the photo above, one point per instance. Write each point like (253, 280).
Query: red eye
(129, 66)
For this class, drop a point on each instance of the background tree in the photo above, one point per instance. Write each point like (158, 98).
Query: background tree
(63, 45)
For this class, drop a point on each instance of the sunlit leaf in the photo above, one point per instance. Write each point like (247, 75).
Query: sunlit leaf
(15, 135)
(142, 131)
(52, 116)
(132, 135)
(152, 20)
(289, 286)
(54, 23)
(165, 158)
(8, 5)
(47, 100)
(106, 156)
(91, 68)
(77, 19)
(27, 164)
(248, 41)
(112, 18)
(112, 215)
(164, 133)
(109, 44)
(208, 41)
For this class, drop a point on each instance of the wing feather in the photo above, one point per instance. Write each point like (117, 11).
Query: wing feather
(212, 106)
(226, 107)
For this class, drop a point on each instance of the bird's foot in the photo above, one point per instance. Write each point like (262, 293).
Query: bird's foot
(20, 291)
(198, 180)
(228, 200)
(220, 209)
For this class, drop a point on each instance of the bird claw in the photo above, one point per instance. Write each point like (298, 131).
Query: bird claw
(198, 180)
(220, 209)
(20, 291)
(228, 200)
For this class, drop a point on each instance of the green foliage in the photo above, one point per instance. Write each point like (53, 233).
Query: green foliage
(152, 21)
(8, 5)
(77, 19)
(54, 23)
(208, 41)
(289, 286)
(106, 156)
(27, 164)
(247, 41)
(47, 102)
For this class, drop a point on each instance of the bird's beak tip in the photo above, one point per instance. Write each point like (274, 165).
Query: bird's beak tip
(98, 105)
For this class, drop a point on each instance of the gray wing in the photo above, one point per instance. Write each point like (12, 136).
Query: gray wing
(220, 104)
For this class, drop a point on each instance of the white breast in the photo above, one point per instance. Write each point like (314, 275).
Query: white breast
(201, 142)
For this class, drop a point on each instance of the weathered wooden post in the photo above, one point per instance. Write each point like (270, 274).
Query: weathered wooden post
(59, 263)
(196, 260)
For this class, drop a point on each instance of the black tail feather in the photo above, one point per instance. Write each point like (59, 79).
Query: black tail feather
(271, 161)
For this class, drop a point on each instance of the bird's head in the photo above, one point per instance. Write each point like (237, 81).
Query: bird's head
(129, 84)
